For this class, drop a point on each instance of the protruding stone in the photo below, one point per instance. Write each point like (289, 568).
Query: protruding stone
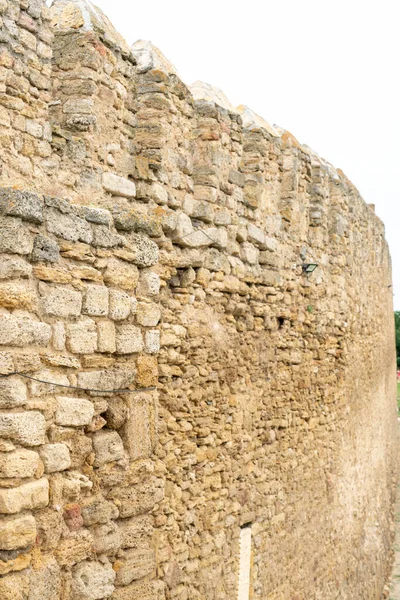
(55, 457)
(149, 57)
(26, 428)
(17, 532)
(25, 497)
(19, 464)
(73, 412)
(108, 447)
(118, 186)
(92, 581)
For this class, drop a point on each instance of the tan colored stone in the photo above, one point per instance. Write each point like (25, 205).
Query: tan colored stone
(73, 412)
(17, 532)
(19, 464)
(25, 497)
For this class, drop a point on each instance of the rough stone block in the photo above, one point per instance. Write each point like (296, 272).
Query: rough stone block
(14, 267)
(136, 431)
(256, 236)
(249, 253)
(73, 412)
(97, 510)
(106, 337)
(82, 337)
(45, 582)
(26, 205)
(149, 283)
(25, 497)
(136, 532)
(45, 250)
(135, 564)
(121, 274)
(68, 226)
(95, 302)
(14, 586)
(138, 499)
(12, 392)
(148, 314)
(78, 105)
(17, 532)
(120, 305)
(107, 538)
(118, 186)
(55, 457)
(15, 238)
(145, 250)
(60, 301)
(19, 464)
(26, 428)
(152, 341)
(108, 447)
(129, 339)
(92, 581)
(147, 371)
(23, 331)
(18, 294)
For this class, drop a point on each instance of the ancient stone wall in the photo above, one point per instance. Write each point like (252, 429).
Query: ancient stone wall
(158, 248)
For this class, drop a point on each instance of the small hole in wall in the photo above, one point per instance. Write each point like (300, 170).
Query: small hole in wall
(281, 322)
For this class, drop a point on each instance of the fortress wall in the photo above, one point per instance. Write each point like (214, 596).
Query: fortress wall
(275, 403)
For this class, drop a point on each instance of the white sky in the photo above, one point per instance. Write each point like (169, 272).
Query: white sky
(326, 71)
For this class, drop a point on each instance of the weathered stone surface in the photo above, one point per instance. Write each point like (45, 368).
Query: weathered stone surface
(19, 464)
(25, 428)
(68, 226)
(73, 412)
(145, 251)
(92, 581)
(106, 337)
(25, 497)
(98, 510)
(14, 586)
(26, 205)
(120, 305)
(148, 315)
(14, 267)
(45, 250)
(12, 392)
(95, 302)
(121, 274)
(14, 236)
(134, 565)
(108, 447)
(118, 186)
(45, 581)
(107, 538)
(129, 339)
(149, 283)
(82, 337)
(55, 457)
(17, 532)
(59, 301)
(152, 341)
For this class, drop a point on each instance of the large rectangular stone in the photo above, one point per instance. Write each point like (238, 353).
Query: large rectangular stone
(60, 301)
(135, 564)
(22, 331)
(73, 412)
(17, 532)
(12, 392)
(118, 186)
(129, 339)
(15, 238)
(82, 337)
(19, 464)
(25, 497)
(27, 428)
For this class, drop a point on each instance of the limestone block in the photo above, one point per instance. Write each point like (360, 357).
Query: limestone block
(19, 464)
(137, 532)
(249, 253)
(198, 209)
(72, 550)
(73, 412)
(68, 226)
(218, 237)
(118, 186)
(148, 314)
(26, 428)
(15, 238)
(14, 267)
(25, 497)
(44, 389)
(78, 105)
(149, 283)
(18, 294)
(17, 532)
(138, 590)
(104, 237)
(129, 339)
(120, 305)
(147, 371)
(45, 582)
(55, 457)
(144, 249)
(135, 564)
(23, 331)
(107, 538)
(222, 217)
(59, 336)
(82, 337)
(256, 236)
(136, 431)
(95, 302)
(106, 337)
(108, 447)
(97, 510)
(152, 341)
(60, 301)
(45, 250)
(99, 216)
(92, 581)
(121, 274)
(26, 205)
(111, 379)
(12, 392)
(138, 499)
(14, 587)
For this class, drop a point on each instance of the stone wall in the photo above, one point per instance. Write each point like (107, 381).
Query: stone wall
(176, 264)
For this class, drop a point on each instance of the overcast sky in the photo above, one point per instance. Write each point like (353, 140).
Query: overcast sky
(326, 71)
